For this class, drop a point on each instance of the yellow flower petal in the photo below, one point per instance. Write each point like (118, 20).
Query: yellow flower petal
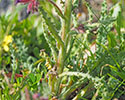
(8, 39)
(6, 48)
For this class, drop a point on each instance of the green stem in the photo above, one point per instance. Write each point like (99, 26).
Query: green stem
(95, 95)
(73, 88)
(0, 94)
(64, 34)
(51, 83)
(66, 22)
(60, 67)
(83, 91)
(14, 67)
(12, 77)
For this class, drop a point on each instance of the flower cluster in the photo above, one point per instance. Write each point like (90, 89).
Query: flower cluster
(32, 5)
(7, 40)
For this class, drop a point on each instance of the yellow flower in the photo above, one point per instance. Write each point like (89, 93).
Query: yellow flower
(6, 41)
(5, 47)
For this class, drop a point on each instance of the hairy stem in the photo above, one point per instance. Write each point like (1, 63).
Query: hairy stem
(64, 33)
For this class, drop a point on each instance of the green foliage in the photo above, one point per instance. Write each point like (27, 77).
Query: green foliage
(55, 56)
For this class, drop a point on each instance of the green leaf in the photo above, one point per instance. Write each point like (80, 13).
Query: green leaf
(58, 10)
(104, 47)
(36, 51)
(111, 40)
(38, 77)
(113, 67)
(32, 77)
(51, 27)
(121, 74)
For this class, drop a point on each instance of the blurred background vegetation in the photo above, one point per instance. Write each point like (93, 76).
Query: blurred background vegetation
(23, 47)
